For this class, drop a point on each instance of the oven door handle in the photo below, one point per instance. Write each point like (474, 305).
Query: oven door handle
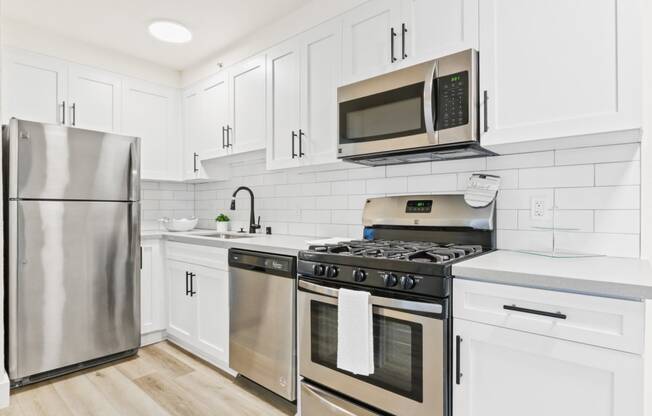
(407, 305)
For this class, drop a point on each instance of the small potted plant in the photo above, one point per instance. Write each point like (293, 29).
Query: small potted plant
(222, 223)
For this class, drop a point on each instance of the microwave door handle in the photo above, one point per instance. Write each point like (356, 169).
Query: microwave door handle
(406, 305)
(430, 101)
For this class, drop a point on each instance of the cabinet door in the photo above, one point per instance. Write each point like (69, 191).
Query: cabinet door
(212, 297)
(152, 288)
(320, 76)
(33, 87)
(558, 68)
(150, 112)
(192, 122)
(283, 101)
(433, 28)
(248, 105)
(95, 99)
(512, 373)
(182, 308)
(215, 117)
(371, 44)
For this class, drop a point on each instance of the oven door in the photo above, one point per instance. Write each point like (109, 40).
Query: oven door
(409, 352)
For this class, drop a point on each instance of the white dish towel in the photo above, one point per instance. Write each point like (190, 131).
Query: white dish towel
(355, 332)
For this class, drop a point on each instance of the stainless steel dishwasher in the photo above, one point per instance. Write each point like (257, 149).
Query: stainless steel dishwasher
(262, 342)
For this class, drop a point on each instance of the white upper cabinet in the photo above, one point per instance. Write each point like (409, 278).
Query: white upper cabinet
(192, 133)
(512, 373)
(434, 28)
(95, 98)
(283, 101)
(248, 104)
(371, 43)
(216, 116)
(320, 77)
(151, 113)
(558, 68)
(302, 78)
(34, 87)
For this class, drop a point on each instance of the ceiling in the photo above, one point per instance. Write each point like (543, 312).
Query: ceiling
(122, 24)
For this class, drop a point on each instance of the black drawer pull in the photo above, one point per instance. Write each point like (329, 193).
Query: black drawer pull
(458, 373)
(515, 308)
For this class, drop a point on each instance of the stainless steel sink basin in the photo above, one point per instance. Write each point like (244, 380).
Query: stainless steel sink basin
(227, 236)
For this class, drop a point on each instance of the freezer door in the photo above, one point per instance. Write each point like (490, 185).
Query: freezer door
(74, 283)
(49, 161)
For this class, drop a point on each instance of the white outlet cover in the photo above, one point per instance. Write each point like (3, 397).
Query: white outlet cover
(538, 208)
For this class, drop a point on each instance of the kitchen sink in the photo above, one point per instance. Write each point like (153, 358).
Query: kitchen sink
(227, 236)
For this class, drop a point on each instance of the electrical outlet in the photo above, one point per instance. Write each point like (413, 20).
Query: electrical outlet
(538, 208)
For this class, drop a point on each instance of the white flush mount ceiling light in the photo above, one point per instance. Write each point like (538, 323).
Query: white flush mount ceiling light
(168, 31)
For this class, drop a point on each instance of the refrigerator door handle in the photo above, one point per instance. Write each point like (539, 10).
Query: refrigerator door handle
(134, 171)
(12, 292)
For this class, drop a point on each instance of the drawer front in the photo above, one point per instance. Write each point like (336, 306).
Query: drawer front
(605, 322)
(214, 257)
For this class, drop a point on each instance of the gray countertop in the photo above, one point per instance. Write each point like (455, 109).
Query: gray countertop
(603, 276)
(279, 244)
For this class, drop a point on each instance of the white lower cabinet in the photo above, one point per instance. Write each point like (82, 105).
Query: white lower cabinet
(199, 303)
(512, 373)
(152, 291)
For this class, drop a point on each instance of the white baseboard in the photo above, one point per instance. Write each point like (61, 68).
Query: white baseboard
(4, 390)
(152, 338)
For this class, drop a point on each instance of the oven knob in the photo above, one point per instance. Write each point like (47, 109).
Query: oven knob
(318, 269)
(390, 279)
(359, 275)
(332, 271)
(408, 282)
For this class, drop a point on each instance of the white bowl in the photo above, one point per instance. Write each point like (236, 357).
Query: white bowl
(179, 224)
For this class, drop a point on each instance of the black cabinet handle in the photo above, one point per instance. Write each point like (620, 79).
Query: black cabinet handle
(187, 276)
(228, 136)
(458, 373)
(194, 162)
(223, 137)
(486, 112)
(301, 134)
(63, 112)
(392, 36)
(74, 113)
(515, 308)
(403, 32)
(141, 257)
(294, 136)
(192, 284)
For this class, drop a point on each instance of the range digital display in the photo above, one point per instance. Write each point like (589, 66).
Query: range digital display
(418, 207)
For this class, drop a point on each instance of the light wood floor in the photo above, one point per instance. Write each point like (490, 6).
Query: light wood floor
(161, 380)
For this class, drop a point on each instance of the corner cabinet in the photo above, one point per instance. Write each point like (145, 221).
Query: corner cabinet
(302, 78)
(247, 101)
(554, 69)
(198, 287)
(192, 134)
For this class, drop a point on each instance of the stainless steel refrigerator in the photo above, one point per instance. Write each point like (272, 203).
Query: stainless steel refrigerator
(71, 248)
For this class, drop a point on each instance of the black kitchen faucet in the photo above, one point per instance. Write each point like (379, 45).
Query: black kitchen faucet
(253, 226)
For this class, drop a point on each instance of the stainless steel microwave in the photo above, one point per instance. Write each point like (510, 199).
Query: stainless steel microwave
(425, 112)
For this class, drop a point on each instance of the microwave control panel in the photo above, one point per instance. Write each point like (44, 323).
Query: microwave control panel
(452, 100)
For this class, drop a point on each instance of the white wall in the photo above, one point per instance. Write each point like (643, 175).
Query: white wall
(304, 18)
(646, 144)
(24, 36)
(596, 192)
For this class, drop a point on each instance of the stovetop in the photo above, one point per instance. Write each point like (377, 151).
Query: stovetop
(412, 251)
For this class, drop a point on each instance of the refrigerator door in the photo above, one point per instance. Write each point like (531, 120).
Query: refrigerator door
(74, 283)
(49, 161)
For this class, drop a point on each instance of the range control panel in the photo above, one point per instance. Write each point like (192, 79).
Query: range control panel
(452, 100)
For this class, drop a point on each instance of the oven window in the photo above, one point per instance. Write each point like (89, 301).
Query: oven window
(385, 115)
(398, 350)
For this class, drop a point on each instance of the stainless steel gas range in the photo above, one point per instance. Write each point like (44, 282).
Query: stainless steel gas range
(405, 263)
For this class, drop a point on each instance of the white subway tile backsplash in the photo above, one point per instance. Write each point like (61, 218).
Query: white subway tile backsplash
(622, 173)
(618, 221)
(592, 196)
(603, 197)
(556, 177)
